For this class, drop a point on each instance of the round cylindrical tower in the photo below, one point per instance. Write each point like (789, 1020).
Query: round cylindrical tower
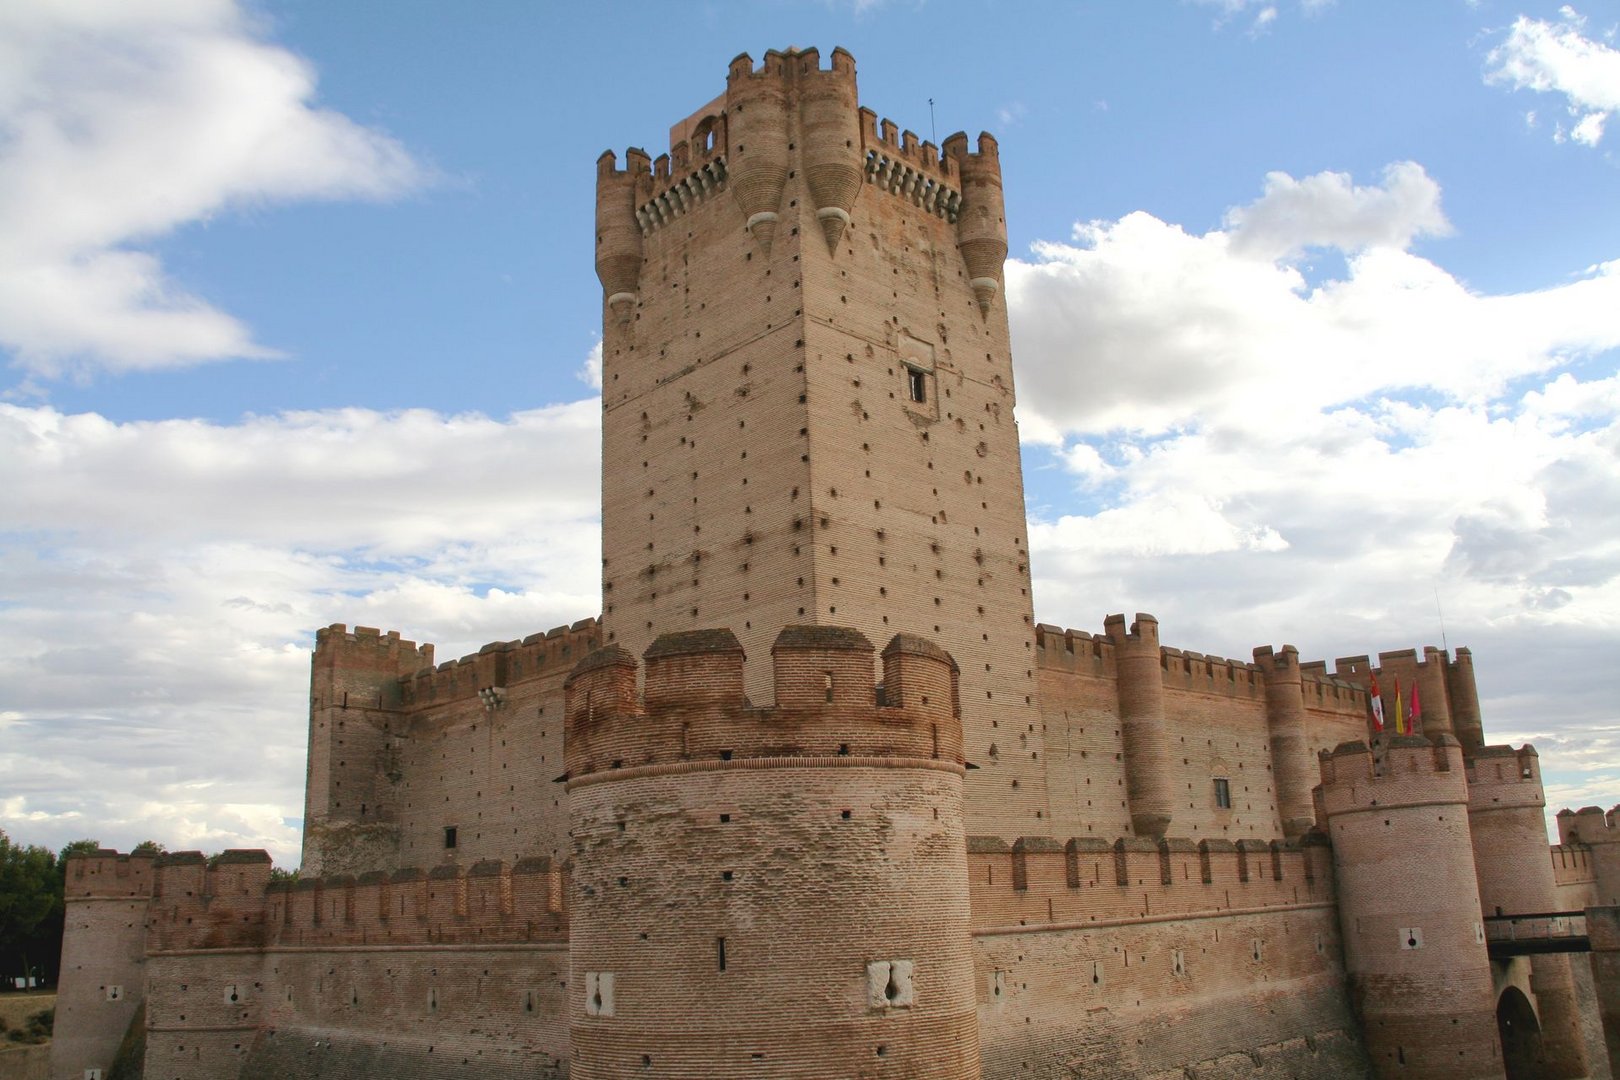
(1414, 944)
(757, 129)
(1292, 766)
(1434, 693)
(981, 224)
(1507, 818)
(772, 891)
(1465, 714)
(829, 127)
(1140, 674)
(618, 236)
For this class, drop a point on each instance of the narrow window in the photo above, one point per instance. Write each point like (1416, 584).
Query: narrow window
(720, 952)
(449, 836)
(917, 383)
(827, 684)
(1223, 794)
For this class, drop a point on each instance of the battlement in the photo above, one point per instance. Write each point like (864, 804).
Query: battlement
(500, 664)
(694, 709)
(1572, 865)
(1076, 651)
(490, 902)
(370, 648)
(1589, 825)
(1414, 771)
(791, 65)
(1039, 880)
(107, 875)
(1500, 775)
(229, 902)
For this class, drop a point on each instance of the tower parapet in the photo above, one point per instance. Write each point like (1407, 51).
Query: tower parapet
(754, 822)
(1409, 907)
(1138, 661)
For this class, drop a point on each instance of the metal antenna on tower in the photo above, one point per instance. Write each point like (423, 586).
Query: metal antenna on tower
(1444, 644)
(933, 135)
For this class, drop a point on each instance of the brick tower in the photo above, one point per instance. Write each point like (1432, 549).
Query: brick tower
(769, 891)
(1414, 945)
(1507, 817)
(808, 396)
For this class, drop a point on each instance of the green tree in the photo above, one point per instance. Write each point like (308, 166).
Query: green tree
(30, 908)
(149, 847)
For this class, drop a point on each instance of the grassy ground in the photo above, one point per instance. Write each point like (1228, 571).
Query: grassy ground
(19, 1062)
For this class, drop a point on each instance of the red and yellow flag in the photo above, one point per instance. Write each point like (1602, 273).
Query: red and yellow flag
(1400, 711)
(1377, 701)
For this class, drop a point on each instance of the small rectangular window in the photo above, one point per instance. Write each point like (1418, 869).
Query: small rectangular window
(917, 383)
(720, 951)
(449, 836)
(1223, 794)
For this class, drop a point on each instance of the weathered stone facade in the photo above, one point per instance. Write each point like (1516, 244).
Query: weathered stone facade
(816, 797)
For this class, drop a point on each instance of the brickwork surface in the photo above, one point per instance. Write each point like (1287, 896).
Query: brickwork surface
(719, 833)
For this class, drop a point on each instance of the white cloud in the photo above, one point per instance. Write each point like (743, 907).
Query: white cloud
(162, 581)
(121, 122)
(590, 373)
(1265, 12)
(1330, 210)
(1269, 460)
(1215, 327)
(1557, 57)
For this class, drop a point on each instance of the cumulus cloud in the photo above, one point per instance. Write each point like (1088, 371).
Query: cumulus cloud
(1329, 210)
(121, 122)
(1181, 327)
(1382, 459)
(1558, 58)
(162, 580)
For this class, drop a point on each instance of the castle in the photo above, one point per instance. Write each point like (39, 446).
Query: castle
(816, 797)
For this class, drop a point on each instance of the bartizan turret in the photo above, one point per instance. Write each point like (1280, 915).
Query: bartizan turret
(1507, 817)
(981, 224)
(757, 127)
(776, 891)
(1414, 942)
(1140, 667)
(618, 234)
(829, 123)
(1289, 738)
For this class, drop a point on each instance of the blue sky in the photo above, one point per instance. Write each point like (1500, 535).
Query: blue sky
(1315, 310)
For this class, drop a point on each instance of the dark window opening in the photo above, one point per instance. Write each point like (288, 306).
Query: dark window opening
(1223, 794)
(720, 952)
(449, 836)
(917, 384)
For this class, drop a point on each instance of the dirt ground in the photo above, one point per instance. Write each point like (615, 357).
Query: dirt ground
(23, 1062)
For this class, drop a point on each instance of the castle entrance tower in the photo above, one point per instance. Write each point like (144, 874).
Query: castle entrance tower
(1414, 943)
(808, 397)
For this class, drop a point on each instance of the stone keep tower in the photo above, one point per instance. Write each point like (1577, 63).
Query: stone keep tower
(808, 396)
(769, 891)
(1414, 944)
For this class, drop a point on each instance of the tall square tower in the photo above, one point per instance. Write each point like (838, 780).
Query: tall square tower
(808, 397)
